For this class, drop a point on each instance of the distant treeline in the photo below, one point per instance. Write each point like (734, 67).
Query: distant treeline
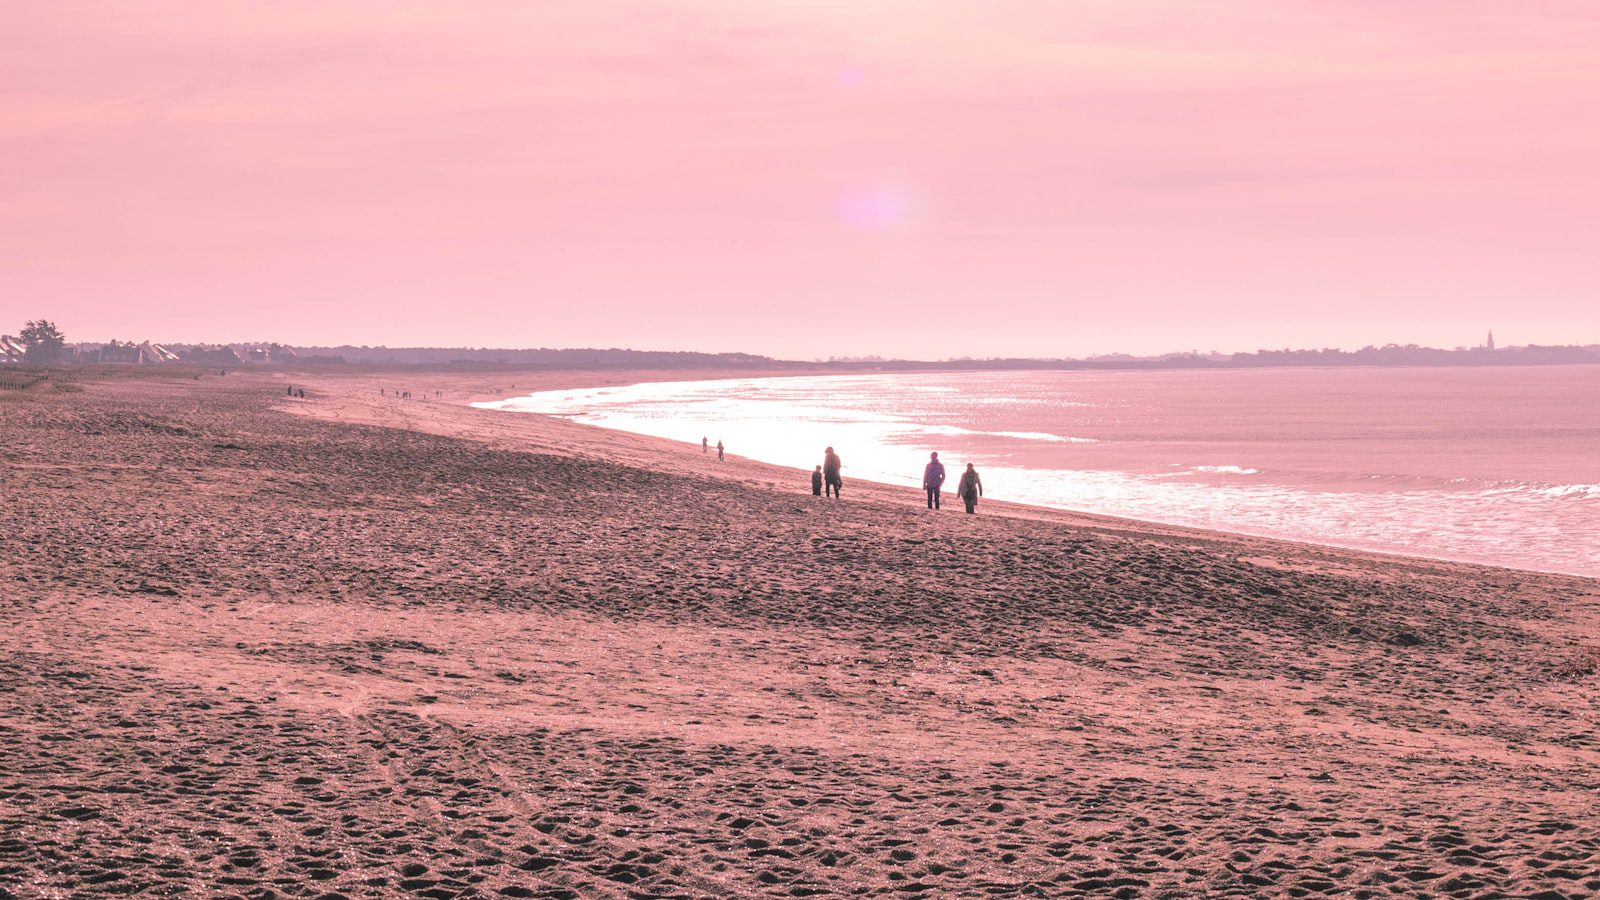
(1389, 355)
(545, 356)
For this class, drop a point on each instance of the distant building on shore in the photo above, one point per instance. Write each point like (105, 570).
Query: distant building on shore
(270, 353)
(125, 352)
(112, 351)
(1489, 344)
(218, 355)
(148, 353)
(155, 354)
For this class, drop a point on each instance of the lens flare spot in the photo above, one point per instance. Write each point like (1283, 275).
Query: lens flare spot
(879, 207)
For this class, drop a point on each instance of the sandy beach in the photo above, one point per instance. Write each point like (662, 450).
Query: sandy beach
(351, 646)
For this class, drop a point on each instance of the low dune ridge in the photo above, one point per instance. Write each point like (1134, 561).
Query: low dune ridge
(354, 645)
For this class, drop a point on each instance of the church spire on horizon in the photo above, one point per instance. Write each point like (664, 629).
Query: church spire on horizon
(1489, 344)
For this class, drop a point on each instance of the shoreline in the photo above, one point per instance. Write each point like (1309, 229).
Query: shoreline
(1013, 507)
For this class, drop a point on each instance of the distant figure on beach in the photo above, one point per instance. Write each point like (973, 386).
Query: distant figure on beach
(816, 482)
(970, 488)
(830, 472)
(705, 445)
(719, 450)
(933, 480)
(302, 393)
(290, 390)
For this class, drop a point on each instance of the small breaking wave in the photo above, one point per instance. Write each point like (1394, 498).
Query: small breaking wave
(1015, 435)
(1574, 491)
(1042, 436)
(1570, 490)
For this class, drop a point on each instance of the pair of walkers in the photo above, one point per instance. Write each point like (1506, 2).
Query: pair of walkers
(825, 479)
(969, 488)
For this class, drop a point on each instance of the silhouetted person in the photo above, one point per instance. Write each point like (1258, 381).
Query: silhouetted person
(705, 445)
(290, 391)
(933, 480)
(719, 451)
(816, 482)
(302, 393)
(830, 473)
(970, 488)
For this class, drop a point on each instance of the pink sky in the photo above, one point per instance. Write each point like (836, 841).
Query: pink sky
(804, 177)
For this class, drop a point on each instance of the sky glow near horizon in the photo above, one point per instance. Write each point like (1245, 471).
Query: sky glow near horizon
(919, 179)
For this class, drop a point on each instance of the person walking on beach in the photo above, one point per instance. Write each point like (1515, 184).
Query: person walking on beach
(816, 482)
(970, 488)
(719, 450)
(705, 445)
(830, 473)
(933, 480)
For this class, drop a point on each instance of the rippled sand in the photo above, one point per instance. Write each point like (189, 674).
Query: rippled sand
(364, 647)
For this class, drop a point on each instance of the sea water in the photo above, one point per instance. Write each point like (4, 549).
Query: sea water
(1495, 464)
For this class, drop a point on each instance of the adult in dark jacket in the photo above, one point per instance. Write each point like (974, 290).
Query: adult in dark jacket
(830, 473)
(970, 489)
(933, 480)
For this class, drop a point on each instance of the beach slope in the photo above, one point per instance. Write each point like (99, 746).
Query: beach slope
(357, 646)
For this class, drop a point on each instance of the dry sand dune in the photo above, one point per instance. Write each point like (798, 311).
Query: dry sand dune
(355, 646)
